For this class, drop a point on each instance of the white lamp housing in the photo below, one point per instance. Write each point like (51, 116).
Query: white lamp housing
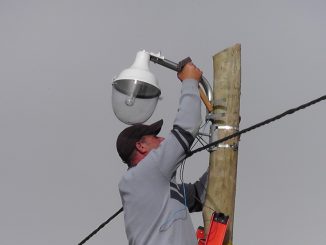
(135, 91)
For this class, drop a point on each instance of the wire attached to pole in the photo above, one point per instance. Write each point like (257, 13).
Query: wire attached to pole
(243, 131)
(267, 121)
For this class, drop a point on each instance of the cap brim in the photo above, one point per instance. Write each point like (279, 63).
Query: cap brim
(154, 128)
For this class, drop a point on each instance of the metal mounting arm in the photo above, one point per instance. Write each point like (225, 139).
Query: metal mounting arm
(158, 59)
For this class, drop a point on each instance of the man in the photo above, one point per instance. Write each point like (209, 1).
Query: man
(156, 209)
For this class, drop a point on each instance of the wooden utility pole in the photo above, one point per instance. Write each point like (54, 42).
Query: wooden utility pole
(222, 175)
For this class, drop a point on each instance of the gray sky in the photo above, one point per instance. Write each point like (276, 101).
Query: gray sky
(59, 169)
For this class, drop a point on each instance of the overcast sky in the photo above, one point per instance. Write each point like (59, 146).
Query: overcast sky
(59, 169)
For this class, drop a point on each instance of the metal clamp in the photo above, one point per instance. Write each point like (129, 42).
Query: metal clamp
(234, 146)
(227, 127)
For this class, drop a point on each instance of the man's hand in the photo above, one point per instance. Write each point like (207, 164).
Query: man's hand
(190, 71)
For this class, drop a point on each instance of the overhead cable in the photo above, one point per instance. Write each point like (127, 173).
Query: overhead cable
(267, 121)
(101, 226)
(215, 143)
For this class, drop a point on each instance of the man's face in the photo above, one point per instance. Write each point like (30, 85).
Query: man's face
(151, 142)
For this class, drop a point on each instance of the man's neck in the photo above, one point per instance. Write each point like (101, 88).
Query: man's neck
(137, 158)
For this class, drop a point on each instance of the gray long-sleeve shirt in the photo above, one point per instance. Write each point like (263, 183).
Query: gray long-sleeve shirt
(154, 205)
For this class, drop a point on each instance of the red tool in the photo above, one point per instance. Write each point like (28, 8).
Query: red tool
(217, 230)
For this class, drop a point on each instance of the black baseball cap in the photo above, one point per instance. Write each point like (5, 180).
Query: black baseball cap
(127, 139)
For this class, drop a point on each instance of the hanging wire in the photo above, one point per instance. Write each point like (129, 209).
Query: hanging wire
(198, 139)
(201, 140)
(243, 131)
(267, 121)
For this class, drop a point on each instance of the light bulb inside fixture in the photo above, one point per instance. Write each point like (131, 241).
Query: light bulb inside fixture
(130, 101)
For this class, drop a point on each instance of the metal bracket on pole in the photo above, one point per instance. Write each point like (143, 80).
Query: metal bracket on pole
(231, 146)
(158, 59)
(213, 136)
(214, 118)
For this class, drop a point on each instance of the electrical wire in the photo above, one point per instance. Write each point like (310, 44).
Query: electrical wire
(243, 131)
(184, 208)
(267, 121)
(101, 226)
(201, 141)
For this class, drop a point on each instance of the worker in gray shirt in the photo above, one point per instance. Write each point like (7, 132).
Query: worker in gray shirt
(156, 208)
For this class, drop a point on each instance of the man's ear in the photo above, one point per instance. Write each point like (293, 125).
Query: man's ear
(141, 148)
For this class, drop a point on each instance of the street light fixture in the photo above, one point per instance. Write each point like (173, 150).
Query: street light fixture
(135, 91)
